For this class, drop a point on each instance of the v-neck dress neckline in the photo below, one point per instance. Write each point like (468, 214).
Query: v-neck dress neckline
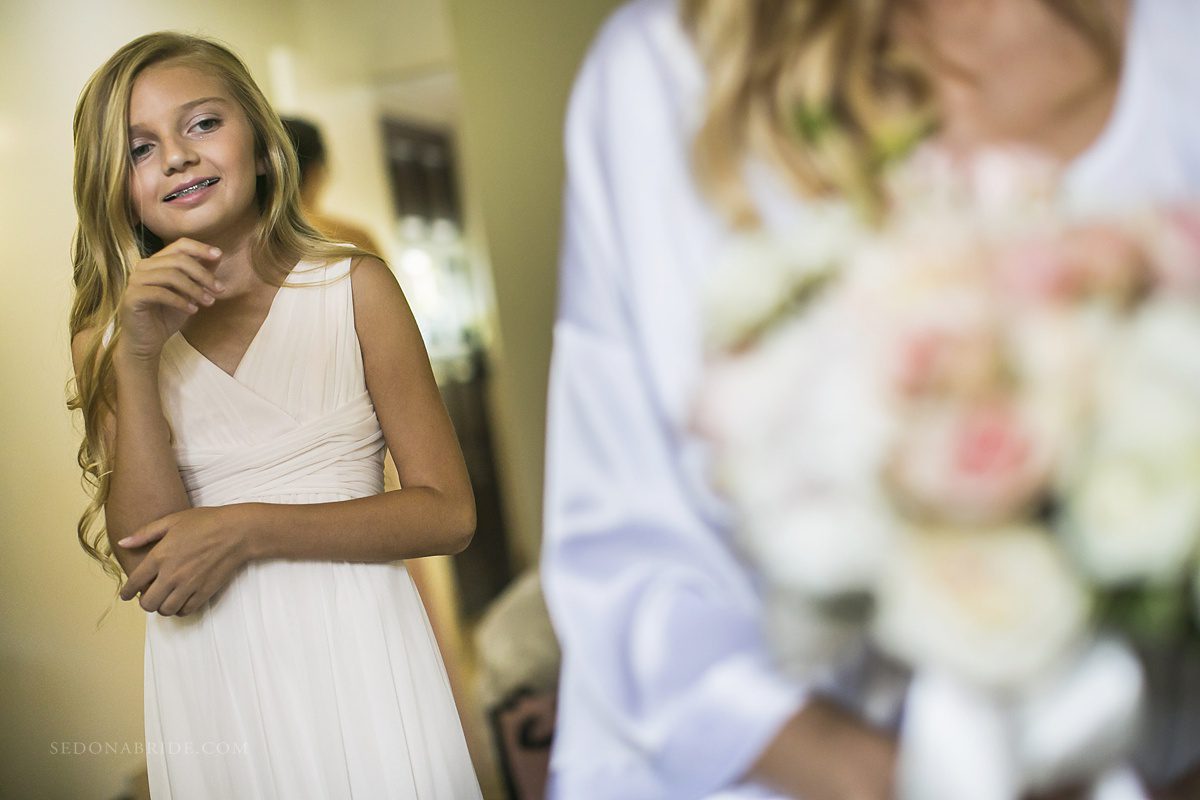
(258, 334)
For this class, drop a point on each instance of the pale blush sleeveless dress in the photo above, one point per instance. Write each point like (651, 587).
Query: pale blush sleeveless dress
(300, 679)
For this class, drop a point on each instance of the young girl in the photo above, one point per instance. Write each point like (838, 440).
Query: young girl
(239, 378)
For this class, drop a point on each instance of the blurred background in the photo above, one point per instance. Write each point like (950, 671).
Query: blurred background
(441, 122)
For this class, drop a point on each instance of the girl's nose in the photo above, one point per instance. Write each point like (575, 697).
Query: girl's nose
(178, 156)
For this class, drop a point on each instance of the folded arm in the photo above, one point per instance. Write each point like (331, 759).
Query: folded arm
(163, 291)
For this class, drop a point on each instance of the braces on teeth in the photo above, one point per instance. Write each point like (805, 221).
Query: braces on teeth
(196, 187)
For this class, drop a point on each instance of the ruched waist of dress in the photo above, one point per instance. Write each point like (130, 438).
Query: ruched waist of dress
(341, 451)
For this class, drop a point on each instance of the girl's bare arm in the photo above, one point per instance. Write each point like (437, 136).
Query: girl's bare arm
(145, 483)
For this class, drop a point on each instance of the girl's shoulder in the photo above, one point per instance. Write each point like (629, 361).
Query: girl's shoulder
(372, 280)
(387, 332)
(320, 270)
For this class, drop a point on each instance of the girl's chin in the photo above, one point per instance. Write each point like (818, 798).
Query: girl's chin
(210, 233)
(169, 238)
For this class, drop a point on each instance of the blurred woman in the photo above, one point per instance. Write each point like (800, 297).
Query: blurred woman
(691, 120)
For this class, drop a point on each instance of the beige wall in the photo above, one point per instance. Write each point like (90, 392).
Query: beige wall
(515, 61)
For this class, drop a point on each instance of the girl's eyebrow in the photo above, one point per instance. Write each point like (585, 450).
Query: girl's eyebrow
(188, 106)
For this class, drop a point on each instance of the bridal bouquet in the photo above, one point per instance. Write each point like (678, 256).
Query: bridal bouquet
(970, 435)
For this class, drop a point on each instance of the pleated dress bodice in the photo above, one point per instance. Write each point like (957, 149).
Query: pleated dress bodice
(294, 419)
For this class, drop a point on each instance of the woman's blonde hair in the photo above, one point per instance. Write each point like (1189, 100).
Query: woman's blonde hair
(821, 90)
(110, 239)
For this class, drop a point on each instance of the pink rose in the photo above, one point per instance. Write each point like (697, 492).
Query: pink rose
(1040, 271)
(1085, 261)
(969, 464)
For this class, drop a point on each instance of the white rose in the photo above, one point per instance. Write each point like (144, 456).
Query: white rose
(1134, 518)
(751, 283)
(1133, 512)
(996, 608)
(822, 544)
(803, 404)
(759, 274)
(1164, 338)
(801, 430)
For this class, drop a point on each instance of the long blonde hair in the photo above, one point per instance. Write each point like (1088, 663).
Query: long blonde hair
(821, 90)
(109, 238)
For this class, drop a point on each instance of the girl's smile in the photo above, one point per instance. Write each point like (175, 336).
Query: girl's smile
(192, 153)
(189, 192)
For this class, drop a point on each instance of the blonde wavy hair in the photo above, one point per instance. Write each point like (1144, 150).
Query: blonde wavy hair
(822, 91)
(109, 238)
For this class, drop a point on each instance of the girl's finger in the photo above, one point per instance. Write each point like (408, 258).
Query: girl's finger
(154, 295)
(155, 595)
(175, 601)
(145, 572)
(193, 248)
(202, 275)
(194, 603)
(144, 535)
(179, 282)
(185, 263)
(194, 258)
(178, 262)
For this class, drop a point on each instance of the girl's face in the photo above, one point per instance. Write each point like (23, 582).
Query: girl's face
(192, 150)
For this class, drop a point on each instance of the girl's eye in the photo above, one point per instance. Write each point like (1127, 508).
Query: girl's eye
(140, 151)
(207, 125)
